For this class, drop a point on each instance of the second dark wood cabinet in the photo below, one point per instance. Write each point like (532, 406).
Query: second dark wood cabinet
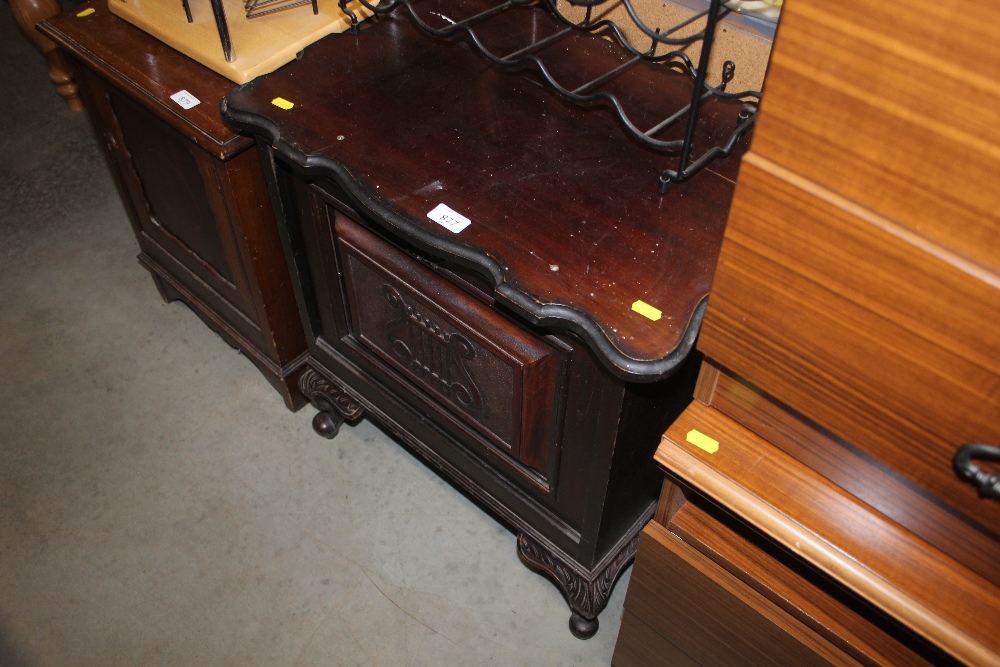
(193, 188)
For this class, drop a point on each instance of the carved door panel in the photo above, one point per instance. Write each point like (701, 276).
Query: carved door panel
(498, 379)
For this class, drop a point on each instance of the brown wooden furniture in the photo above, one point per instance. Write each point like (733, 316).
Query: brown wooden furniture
(193, 188)
(852, 349)
(508, 355)
(27, 15)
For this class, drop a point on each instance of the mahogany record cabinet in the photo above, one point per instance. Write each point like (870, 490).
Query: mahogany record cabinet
(193, 188)
(533, 338)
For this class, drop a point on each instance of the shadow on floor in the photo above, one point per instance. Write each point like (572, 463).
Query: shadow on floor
(9, 657)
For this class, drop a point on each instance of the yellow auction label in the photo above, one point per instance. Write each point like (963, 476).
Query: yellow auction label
(647, 310)
(282, 103)
(86, 12)
(702, 441)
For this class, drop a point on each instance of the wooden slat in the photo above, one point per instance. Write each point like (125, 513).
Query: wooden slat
(904, 576)
(887, 344)
(894, 107)
(832, 611)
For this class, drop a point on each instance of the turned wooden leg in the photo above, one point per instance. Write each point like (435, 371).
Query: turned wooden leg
(27, 14)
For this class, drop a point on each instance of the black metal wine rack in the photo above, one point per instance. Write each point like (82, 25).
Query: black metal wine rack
(590, 93)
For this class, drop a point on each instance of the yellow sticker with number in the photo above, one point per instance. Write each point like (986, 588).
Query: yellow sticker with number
(86, 12)
(702, 441)
(282, 103)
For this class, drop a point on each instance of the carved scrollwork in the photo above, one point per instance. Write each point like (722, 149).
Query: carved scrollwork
(587, 596)
(431, 352)
(327, 396)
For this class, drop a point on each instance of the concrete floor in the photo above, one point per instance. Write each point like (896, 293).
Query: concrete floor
(160, 506)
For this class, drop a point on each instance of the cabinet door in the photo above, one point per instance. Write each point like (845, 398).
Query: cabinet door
(496, 378)
(180, 211)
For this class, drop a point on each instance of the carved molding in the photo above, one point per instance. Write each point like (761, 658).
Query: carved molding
(327, 396)
(431, 352)
(586, 596)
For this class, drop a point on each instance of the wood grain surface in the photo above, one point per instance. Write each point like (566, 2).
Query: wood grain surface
(156, 76)
(713, 617)
(881, 340)
(896, 108)
(566, 220)
(833, 612)
(904, 576)
(882, 488)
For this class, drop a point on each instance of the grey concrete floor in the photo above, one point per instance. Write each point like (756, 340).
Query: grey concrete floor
(158, 503)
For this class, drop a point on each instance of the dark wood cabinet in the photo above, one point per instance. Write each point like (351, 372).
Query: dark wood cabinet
(193, 188)
(509, 354)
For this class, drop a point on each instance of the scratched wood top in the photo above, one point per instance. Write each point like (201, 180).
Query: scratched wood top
(566, 219)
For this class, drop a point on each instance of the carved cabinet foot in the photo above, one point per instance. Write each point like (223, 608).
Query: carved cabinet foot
(334, 404)
(583, 628)
(327, 424)
(586, 592)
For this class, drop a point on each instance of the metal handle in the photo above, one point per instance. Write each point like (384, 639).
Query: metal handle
(988, 484)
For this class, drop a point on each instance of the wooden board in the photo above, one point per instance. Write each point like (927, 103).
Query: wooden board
(260, 45)
(905, 577)
(895, 110)
(890, 344)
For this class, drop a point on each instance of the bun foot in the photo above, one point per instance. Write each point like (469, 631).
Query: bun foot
(581, 627)
(327, 424)
(333, 403)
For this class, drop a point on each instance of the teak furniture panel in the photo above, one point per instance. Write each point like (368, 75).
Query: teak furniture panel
(194, 190)
(895, 110)
(883, 489)
(778, 608)
(702, 600)
(850, 336)
(809, 296)
(910, 579)
(836, 615)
